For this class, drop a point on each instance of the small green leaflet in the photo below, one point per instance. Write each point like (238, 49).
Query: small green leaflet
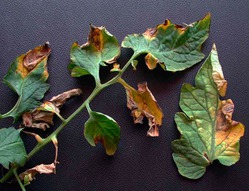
(174, 47)
(206, 125)
(102, 47)
(12, 149)
(102, 128)
(27, 76)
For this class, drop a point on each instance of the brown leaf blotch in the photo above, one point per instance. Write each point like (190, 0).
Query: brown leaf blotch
(224, 117)
(33, 57)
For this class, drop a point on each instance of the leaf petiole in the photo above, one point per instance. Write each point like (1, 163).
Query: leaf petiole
(18, 180)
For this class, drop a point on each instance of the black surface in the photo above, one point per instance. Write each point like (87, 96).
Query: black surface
(141, 163)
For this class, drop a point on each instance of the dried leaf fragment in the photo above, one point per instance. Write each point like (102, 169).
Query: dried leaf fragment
(206, 125)
(42, 117)
(30, 174)
(142, 104)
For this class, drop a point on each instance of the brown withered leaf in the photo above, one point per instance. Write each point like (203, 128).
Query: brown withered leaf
(44, 119)
(30, 174)
(142, 104)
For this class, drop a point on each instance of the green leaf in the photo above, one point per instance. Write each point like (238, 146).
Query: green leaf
(206, 125)
(27, 76)
(102, 47)
(12, 149)
(174, 47)
(102, 128)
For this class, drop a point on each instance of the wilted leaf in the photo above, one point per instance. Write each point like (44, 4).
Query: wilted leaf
(102, 47)
(27, 76)
(42, 117)
(60, 99)
(174, 47)
(30, 174)
(142, 104)
(102, 128)
(206, 125)
(12, 149)
(50, 107)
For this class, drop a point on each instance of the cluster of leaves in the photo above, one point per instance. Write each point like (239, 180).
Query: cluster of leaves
(208, 132)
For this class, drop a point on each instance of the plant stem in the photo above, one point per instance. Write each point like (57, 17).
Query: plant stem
(99, 87)
(18, 180)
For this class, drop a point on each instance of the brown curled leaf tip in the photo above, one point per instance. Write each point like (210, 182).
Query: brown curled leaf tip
(35, 56)
(224, 117)
(30, 174)
(60, 99)
(43, 118)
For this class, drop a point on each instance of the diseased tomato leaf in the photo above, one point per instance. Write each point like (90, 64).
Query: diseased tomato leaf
(12, 149)
(142, 104)
(30, 174)
(102, 128)
(27, 76)
(102, 47)
(172, 46)
(206, 125)
(42, 117)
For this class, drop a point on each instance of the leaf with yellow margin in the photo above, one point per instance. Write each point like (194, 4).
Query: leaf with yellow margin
(206, 125)
(27, 76)
(172, 46)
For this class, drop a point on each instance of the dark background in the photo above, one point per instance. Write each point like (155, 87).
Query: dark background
(141, 163)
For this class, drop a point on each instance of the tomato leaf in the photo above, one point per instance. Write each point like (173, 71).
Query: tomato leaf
(102, 128)
(142, 104)
(206, 125)
(12, 149)
(174, 47)
(42, 117)
(102, 47)
(30, 174)
(27, 76)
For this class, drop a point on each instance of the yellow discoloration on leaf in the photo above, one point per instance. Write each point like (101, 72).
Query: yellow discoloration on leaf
(21, 69)
(151, 61)
(231, 136)
(150, 33)
(218, 74)
(227, 130)
(142, 104)
(160, 33)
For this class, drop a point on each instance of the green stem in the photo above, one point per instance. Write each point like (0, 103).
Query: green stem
(117, 77)
(99, 87)
(18, 180)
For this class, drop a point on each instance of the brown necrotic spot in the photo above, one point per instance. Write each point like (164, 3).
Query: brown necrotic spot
(150, 32)
(96, 37)
(35, 56)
